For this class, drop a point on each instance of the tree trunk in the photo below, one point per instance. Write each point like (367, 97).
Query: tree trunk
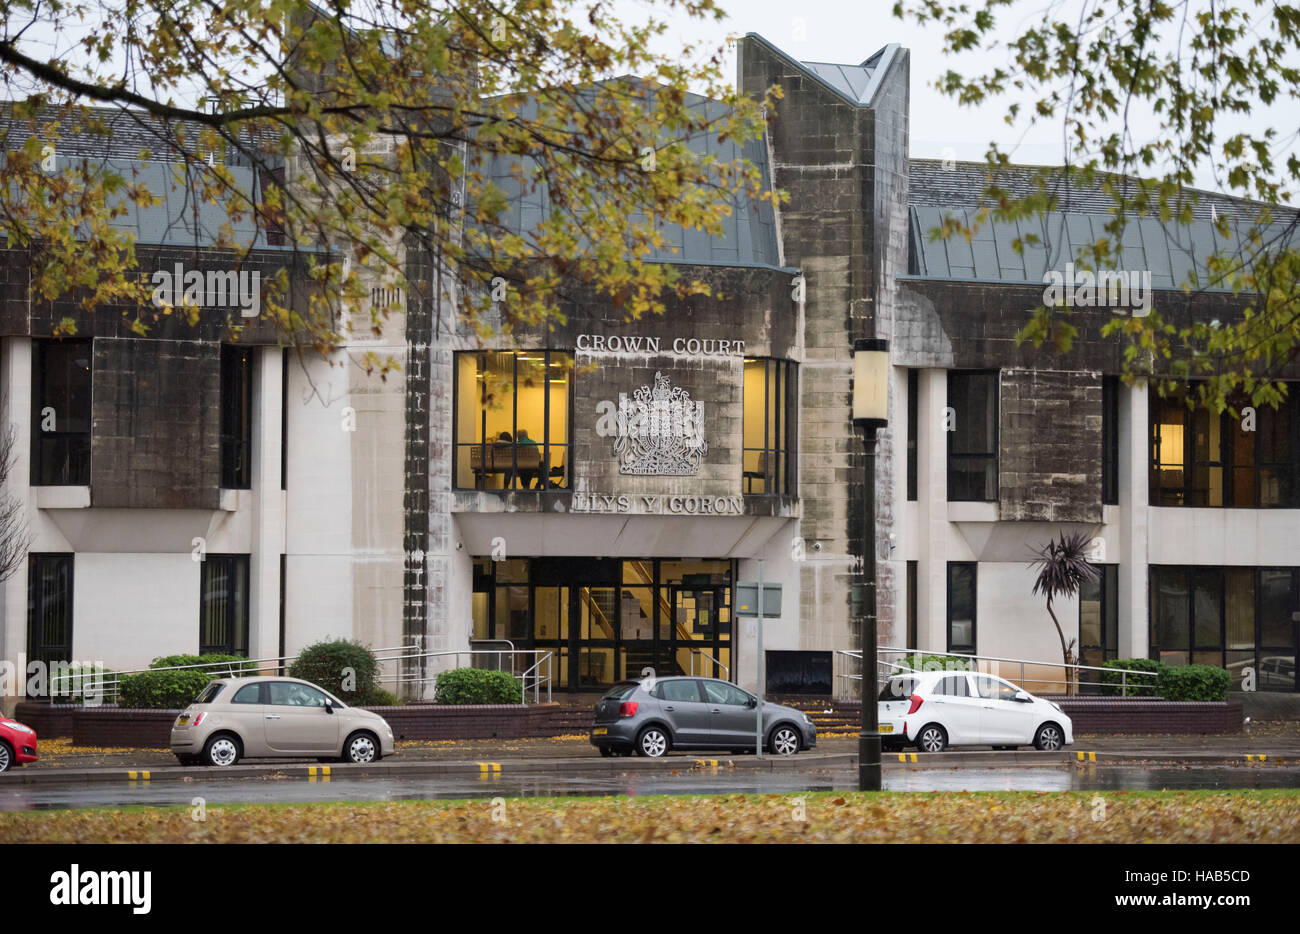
(1065, 652)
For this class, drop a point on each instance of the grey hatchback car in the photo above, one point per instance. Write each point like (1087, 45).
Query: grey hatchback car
(650, 716)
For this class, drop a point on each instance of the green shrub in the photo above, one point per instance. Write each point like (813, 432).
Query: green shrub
(1137, 687)
(166, 690)
(177, 661)
(378, 697)
(477, 686)
(344, 668)
(1194, 683)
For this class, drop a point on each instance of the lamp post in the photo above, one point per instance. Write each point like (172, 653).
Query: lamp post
(870, 413)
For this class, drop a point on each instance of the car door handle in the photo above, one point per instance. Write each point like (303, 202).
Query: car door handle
(989, 707)
(717, 709)
(273, 716)
(668, 707)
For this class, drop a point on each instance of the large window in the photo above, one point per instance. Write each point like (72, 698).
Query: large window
(223, 610)
(1234, 618)
(1099, 617)
(236, 417)
(961, 607)
(973, 436)
(1203, 458)
(769, 403)
(49, 609)
(61, 413)
(512, 419)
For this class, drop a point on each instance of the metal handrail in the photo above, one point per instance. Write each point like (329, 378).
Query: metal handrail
(536, 680)
(1022, 662)
(695, 652)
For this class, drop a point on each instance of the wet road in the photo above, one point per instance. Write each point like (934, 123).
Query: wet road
(215, 792)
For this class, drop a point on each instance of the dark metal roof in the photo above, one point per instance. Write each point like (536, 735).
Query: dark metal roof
(748, 237)
(858, 83)
(1175, 254)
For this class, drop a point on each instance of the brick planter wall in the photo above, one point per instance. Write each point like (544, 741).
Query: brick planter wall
(48, 720)
(1102, 714)
(115, 726)
(122, 726)
(1150, 715)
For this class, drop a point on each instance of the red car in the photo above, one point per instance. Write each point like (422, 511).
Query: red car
(17, 744)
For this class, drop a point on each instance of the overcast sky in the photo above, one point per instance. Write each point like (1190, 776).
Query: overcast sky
(849, 31)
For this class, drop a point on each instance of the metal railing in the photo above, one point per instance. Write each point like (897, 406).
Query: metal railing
(407, 662)
(992, 664)
(695, 653)
(106, 686)
(529, 675)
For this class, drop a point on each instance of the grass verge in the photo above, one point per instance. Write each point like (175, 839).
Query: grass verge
(1242, 816)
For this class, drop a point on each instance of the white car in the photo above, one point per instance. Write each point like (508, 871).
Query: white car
(937, 709)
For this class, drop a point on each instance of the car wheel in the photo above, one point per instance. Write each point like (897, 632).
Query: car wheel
(6, 756)
(931, 738)
(653, 743)
(784, 741)
(221, 751)
(361, 748)
(1049, 738)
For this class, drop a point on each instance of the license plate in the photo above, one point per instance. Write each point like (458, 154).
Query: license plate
(601, 731)
(886, 728)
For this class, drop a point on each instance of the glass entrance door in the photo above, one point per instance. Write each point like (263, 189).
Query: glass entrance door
(700, 636)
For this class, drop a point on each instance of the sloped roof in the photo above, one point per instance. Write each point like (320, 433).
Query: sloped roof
(856, 83)
(749, 232)
(1175, 254)
(1172, 252)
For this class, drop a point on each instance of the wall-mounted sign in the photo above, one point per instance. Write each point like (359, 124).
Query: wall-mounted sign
(681, 346)
(657, 504)
(660, 432)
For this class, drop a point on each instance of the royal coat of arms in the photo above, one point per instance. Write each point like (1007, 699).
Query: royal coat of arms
(660, 432)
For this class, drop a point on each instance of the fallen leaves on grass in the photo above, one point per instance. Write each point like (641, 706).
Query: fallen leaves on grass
(1012, 817)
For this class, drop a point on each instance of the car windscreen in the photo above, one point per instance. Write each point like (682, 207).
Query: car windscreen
(209, 693)
(897, 689)
(620, 690)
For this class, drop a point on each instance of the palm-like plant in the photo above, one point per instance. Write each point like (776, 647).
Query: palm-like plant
(1062, 569)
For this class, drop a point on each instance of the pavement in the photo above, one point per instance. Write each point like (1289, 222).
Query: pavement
(1273, 743)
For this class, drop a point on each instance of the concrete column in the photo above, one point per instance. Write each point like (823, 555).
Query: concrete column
(268, 505)
(1134, 508)
(932, 497)
(16, 368)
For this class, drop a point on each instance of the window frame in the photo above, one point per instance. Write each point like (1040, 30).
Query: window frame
(237, 398)
(40, 470)
(974, 607)
(1227, 462)
(230, 646)
(545, 481)
(989, 456)
(1110, 440)
(35, 648)
(777, 480)
(913, 432)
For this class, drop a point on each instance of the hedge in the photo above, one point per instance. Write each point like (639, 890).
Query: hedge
(1172, 682)
(346, 669)
(171, 689)
(477, 686)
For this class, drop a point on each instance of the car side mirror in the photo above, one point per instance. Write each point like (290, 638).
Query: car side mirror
(752, 703)
(329, 708)
(1023, 697)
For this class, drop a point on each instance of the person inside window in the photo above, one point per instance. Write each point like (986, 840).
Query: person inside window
(530, 460)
